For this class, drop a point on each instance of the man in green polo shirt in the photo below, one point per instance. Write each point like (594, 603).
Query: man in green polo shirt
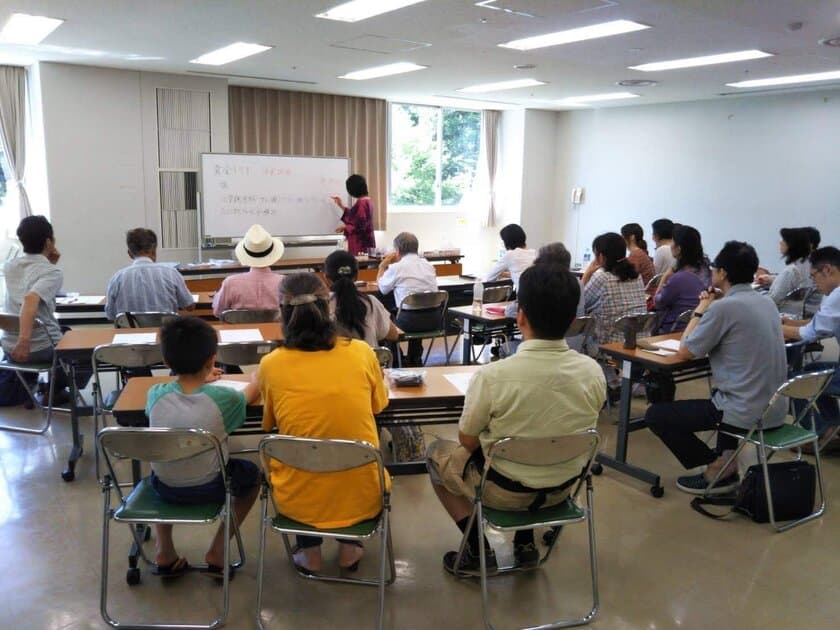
(544, 390)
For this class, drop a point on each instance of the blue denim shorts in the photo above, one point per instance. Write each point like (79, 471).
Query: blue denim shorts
(244, 477)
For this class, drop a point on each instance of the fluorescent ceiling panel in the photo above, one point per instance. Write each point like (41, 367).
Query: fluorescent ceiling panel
(708, 60)
(596, 98)
(382, 71)
(363, 9)
(834, 75)
(236, 51)
(28, 29)
(500, 85)
(605, 29)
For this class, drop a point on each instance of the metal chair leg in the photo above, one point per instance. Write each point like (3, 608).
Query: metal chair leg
(261, 558)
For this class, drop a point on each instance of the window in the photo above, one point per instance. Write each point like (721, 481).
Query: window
(434, 156)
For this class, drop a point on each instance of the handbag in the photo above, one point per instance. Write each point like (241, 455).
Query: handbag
(793, 485)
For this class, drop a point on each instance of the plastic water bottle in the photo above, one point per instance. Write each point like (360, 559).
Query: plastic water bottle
(587, 257)
(478, 296)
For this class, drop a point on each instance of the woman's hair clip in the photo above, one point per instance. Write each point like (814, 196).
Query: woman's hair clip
(305, 298)
(345, 271)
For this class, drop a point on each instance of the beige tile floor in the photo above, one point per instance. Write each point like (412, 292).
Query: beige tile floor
(661, 565)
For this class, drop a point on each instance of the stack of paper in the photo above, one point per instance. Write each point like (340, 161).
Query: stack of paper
(126, 338)
(238, 335)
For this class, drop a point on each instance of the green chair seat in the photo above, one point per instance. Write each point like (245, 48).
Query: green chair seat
(363, 529)
(144, 504)
(426, 334)
(502, 519)
(785, 436)
(25, 367)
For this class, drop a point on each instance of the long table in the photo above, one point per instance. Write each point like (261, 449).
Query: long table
(86, 309)
(437, 401)
(483, 317)
(679, 370)
(76, 348)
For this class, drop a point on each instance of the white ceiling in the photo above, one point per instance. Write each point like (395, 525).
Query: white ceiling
(163, 35)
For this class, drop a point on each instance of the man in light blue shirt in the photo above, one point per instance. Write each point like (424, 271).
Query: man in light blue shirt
(825, 272)
(145, 286)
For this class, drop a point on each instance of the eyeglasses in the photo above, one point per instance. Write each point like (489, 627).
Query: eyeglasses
(816, 270)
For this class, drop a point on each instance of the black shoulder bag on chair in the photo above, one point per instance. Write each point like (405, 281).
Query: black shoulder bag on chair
(793, 485)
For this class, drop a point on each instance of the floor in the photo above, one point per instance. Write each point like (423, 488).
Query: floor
(661, 565)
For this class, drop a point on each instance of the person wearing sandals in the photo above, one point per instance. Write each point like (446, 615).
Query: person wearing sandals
(320, 384)
(192, 401)
(544, 390)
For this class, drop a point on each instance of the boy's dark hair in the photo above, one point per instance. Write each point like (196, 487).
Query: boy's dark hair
(614, 249)
(140, 241)
(738, 260)
(798, 244)
(307, 324)
(554, 254)
(825, 256)
(663, 229)
(356, 186)
(634, 229)
(813, 236)
(513, 236)
(33, 233)
(187, 343)
(351, 306)
(691, 247)
(549, 296)
(406, 243)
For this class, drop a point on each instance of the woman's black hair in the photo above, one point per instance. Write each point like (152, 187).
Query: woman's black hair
(356, 186)
(351, 307)
(813, 236)
(614, 250)
(635, 230)
(691, 248)
(513, 236)
(307, 324)
(798, 243)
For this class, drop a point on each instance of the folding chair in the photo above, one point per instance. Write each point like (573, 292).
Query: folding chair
(149, 319)
(487, 332)
(384, 356)
(117, 358)
(325, 456)
(250, 316)
(425, 301)
(144, 505)
(802, 387)
(795, 298)
(581, 326)
(244, 352)
(653, 283)
(682, 318)
(10, 324)
(538, 452)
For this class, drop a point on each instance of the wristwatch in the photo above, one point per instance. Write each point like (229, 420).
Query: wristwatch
(696, 314)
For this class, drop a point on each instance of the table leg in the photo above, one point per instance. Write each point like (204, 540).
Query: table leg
(69, 473)
(619, 462)
(466, 345)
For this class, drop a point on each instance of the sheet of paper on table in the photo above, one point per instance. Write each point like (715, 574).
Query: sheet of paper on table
(194, 297)
(661, 353)
(240, 335)
(125, 338)
(91, 300)
(461, 380)
(237, 385)
(668, 344)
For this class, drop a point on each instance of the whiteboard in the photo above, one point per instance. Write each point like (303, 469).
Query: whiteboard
(287, 195)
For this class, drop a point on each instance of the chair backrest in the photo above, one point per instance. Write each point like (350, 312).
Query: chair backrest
(128, 356)
(797, 295)
(384, 356)
(682, 318)
(653, 283)
(638, 322)
(424, 300)
(497, 294)
(250, 316)
(150, 319)
(10, 323)
(546, 451)
(806, 386)
(581, 326)
(155, 444)
(811, 302)
(245, 352)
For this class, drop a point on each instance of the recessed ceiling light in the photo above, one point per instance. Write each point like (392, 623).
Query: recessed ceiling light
(596, 98)
(382, 71)
(708, 60)
(239, 50)
(524, 66)
(637, 83)
(28, 29)
(363, 9)
(605, 29)
(834, 75)
(831, 41)
(500, 85)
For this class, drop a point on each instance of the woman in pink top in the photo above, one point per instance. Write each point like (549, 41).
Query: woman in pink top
(357, 221)
(634, 237)
(259, 288)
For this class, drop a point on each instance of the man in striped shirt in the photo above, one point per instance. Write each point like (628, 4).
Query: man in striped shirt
(145, 286)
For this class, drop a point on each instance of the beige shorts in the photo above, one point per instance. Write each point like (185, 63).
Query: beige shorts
(446, 460)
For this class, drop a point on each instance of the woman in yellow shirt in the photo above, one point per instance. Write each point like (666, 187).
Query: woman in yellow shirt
(320, 385)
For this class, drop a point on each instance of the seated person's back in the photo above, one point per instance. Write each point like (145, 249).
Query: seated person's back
(517, 257)
(145, 286)
(681, 290)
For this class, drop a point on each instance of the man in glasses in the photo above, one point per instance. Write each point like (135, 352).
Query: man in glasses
(825, 272)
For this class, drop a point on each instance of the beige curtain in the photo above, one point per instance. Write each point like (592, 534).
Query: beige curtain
(13, 128)
(304, 123)
(490, 120)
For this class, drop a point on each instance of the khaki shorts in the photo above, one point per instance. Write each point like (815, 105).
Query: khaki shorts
(446, 460)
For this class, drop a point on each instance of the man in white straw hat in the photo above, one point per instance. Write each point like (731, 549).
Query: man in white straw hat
(259, 288)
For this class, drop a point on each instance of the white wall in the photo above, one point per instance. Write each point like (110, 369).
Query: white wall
(101, 144)
(540, 206)
(735, 168)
